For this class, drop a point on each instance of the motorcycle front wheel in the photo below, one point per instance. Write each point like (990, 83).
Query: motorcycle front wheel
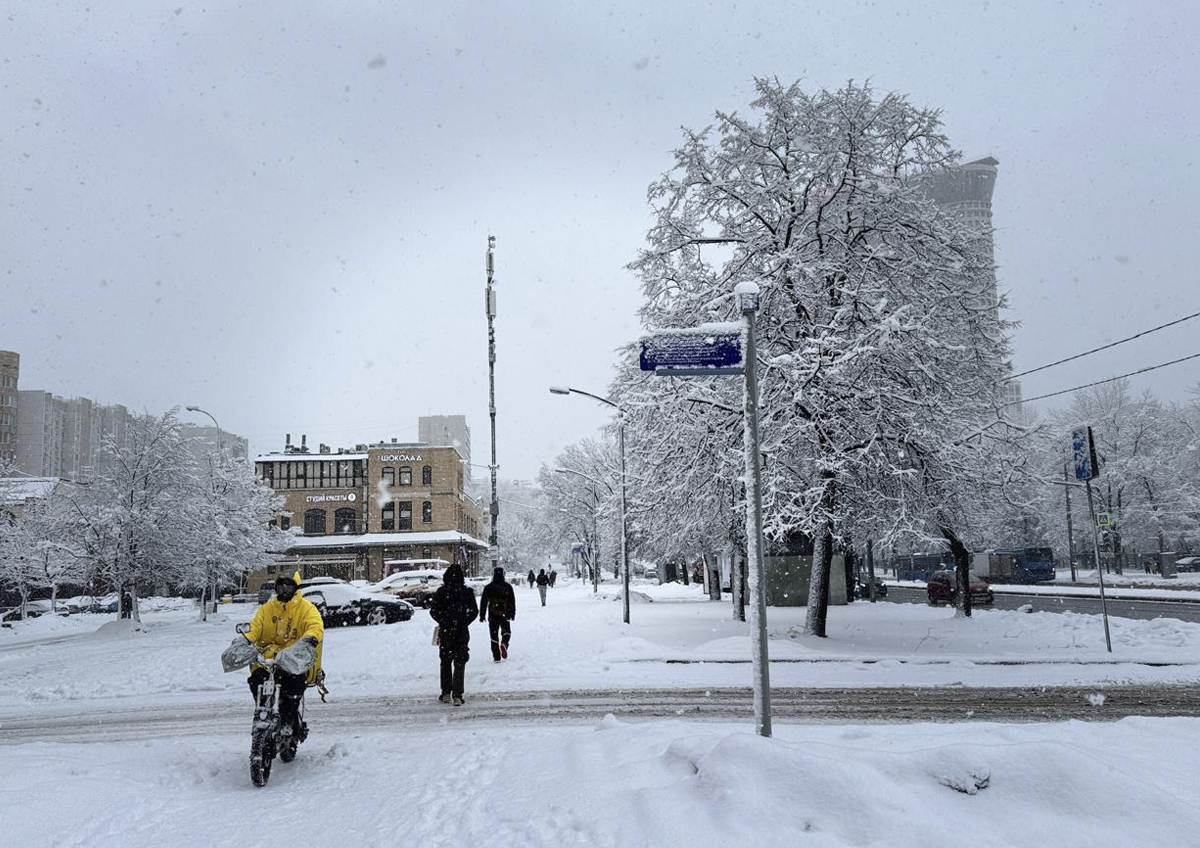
(262, 752)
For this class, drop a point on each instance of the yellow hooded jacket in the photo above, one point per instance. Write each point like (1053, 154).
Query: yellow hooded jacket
(277, 625)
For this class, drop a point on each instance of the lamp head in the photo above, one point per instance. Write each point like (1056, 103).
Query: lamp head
(559, 390)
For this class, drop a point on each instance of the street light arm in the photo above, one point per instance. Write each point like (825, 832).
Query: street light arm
(611, 491)
(566, 390)
(214, 421)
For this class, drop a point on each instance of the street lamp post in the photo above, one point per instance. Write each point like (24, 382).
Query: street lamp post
(748, 303)
(566, 390)
(220, 457)
(214, 421)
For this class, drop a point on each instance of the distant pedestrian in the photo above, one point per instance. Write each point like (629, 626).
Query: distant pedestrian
(500, 601)
(542, 582)
(553, 577)
(453, 608)
(531, 578)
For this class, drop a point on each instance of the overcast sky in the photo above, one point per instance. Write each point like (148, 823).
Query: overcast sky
(279, 212)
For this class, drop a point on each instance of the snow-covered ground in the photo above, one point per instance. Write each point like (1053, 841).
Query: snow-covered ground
(650, 784)
(578, 641)
(604, 782)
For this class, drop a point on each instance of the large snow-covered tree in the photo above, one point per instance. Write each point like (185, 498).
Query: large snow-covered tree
(880, 344)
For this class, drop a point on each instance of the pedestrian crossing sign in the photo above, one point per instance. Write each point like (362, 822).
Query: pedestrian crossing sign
(1103, 520)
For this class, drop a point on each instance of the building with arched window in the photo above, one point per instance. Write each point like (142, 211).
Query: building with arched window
(352, 510)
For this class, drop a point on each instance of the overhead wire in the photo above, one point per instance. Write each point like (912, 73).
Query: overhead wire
(1102, 382)
(1104, 347)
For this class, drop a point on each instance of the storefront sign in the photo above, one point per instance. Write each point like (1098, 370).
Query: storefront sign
(350, 496)
(400, 457)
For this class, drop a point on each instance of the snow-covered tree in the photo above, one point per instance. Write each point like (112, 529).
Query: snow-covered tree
(1148, 483)
(582, 500)
(880, 345)
(37, 546)
(133, 517)
(226, 533)
(525, 535)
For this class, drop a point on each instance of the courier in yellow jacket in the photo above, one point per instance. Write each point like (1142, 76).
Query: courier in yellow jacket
(286, 619)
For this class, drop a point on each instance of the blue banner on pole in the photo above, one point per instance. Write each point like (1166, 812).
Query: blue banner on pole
(1083, 446)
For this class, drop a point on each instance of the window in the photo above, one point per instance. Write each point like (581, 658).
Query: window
(427, 512)
(389, 475)
(387, 520)
(285, 522)
(405, 515)
(345, 520)
(314, 521)
(427, 476)
(426, 553)
(405, 475)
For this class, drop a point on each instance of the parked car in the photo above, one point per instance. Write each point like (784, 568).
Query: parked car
(416, 587)
(942, 588)
(34, 609)
(340, 603)
(861, 591)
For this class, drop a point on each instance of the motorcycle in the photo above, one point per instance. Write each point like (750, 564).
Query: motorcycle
(269, 736)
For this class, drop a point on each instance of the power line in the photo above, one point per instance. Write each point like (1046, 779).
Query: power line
(1106, 347)
(1101, 382)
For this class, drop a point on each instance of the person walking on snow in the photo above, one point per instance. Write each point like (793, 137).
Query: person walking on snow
(501, 602)
(542, 582)
(553, 577)
(531, 578)
(453, 608)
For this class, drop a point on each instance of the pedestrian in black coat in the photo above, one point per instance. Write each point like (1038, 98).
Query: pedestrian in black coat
(453, 608)
(553, 577)
(531, 578)
(499, 600)
(542, 582)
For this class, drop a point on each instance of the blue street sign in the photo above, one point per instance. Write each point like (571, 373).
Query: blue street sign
(697, 350)
(1084, 449)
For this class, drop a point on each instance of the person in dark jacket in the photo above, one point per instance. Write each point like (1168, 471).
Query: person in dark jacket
(553, 577)
(499, 600)
(531, 578)
(453, 608)
(542, 582)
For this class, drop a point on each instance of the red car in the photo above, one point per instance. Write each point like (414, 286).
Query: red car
(943, 589)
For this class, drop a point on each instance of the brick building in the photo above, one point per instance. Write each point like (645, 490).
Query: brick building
(352, 510)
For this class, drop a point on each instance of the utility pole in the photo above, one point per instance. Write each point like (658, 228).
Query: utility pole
(494, 537)
(1070, 534)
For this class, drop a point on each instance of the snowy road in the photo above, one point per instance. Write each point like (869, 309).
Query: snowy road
(1145, 609)
(794, 705)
